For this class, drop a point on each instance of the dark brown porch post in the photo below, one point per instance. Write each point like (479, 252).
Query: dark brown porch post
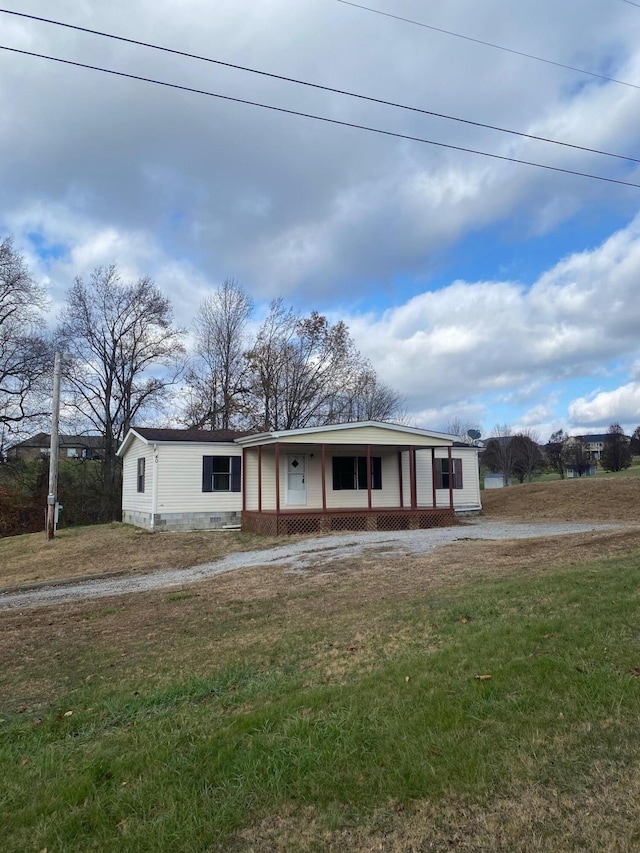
(400, 479)
(259, 478)
(433, 475)
(243, 483)
(323, 465)
(369, 476)
(450, 478)
(412, 476)
(277, 479)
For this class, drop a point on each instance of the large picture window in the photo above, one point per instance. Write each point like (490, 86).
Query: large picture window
(442, 473)
(221, 473)
(350, 472)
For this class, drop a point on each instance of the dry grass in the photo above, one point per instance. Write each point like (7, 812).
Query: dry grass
(334, 625)
(349, 605)
(119, 548)
(590, 499)
(141, 642)
(114, 549)
(535, 819)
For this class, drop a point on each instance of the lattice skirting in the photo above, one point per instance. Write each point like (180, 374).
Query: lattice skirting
(291, 523)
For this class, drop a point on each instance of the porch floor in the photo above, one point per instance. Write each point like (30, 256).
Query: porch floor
(304, 521)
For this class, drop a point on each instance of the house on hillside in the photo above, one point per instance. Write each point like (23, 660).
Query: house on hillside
(356, 476)
(69, 447)
(596, 442)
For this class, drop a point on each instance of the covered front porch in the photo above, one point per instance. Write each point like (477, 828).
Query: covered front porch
(306, 486)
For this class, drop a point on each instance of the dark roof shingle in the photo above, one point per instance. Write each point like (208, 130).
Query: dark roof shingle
(212, 435)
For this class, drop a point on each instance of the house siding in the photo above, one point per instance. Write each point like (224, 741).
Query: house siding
(250, 477)
(134, 503)
(180, 480)
(468, 497)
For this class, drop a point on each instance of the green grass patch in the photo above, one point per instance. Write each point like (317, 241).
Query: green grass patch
(632, 471)
(189, 763)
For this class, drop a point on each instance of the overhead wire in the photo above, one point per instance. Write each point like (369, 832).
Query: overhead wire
(316, 117)
(492, 44)
(318, 86)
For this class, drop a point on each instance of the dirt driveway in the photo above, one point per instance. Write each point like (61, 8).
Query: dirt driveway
(298, 557)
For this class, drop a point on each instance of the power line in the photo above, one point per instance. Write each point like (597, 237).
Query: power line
(491, 44)
(335, 121)
(631, 3)
(318, 86)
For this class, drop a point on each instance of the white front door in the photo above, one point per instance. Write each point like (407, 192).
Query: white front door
(296, 479)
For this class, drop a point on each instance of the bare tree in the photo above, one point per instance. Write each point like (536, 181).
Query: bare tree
(25, 352)
(298, 371)
(298, 367)
(366, 399)
(266, 361)
(217, 379)
(554, 452)
(126, 354)
(498, 452)
(576, 455)
(616, 452)
(527, 456)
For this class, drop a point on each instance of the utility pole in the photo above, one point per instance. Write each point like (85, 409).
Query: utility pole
(53, 451)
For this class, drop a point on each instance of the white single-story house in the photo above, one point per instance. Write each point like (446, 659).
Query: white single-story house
(355, 476)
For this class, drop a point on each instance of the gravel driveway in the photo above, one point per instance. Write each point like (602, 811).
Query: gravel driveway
(295, 557)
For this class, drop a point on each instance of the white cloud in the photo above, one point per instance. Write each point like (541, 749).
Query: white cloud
(621, 405)
(191, 190)
(292, 205)
(476, 339)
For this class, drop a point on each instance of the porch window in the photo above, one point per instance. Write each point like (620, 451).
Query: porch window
(442, 473)
(350, 472)
(140, 477)
(221, 473)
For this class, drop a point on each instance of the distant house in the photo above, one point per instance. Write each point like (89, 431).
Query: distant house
(575, 471)
(595, 443)
(69, 447)
(357, 476)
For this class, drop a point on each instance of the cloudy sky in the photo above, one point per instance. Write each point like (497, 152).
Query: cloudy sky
(481, 289)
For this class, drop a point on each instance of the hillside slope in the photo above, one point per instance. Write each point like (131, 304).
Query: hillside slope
(597, 499)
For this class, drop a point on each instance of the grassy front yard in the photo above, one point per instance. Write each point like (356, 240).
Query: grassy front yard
(114, 548)
(336, 710)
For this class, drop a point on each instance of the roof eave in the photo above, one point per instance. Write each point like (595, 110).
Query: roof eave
(126, 441)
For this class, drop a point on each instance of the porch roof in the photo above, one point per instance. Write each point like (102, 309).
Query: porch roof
(357, 433)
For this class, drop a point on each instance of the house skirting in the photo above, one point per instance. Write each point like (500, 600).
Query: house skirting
(331, 521)
(183, 520)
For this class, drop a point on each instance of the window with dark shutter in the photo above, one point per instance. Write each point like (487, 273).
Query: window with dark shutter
(221, 473)
(376, 472)
(141, 472)
(207, 473)
(442, 473)
(362, 471)
(236, 471)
